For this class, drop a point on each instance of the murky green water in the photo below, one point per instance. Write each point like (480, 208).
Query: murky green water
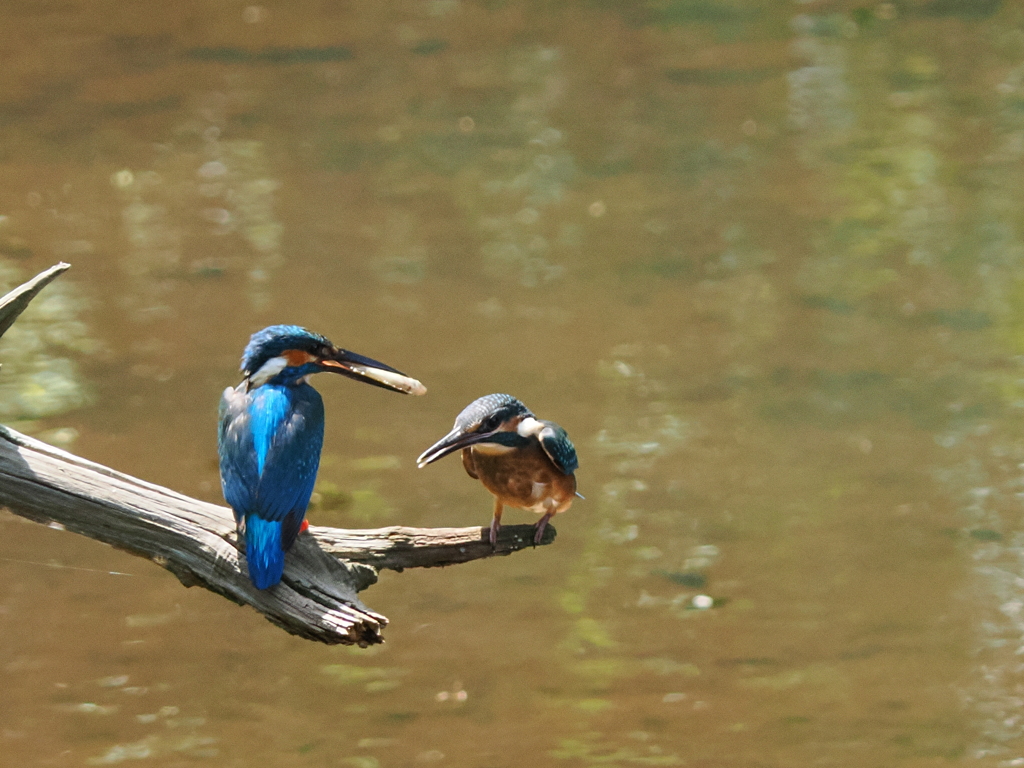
(764, 261)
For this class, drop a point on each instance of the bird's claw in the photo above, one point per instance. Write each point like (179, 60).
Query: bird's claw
(538, 534)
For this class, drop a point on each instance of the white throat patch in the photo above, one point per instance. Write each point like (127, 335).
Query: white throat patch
(267, 371)
(492, 449)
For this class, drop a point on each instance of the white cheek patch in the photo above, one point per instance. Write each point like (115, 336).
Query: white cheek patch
(529, 427)
(267, 371)
(492, 449)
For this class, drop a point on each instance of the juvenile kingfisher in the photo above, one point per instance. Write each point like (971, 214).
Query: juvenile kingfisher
(271, 432)
(523, 461)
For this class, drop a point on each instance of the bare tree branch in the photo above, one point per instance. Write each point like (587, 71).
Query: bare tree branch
(197, 542)
(399, 547)
(193, 539)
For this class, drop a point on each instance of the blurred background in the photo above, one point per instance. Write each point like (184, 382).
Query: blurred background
(764, 261)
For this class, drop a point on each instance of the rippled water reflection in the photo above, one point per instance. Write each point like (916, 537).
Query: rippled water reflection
(763, 262)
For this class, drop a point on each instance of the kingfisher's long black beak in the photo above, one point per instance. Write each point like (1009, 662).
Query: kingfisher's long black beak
(457, 440)
(370, 372)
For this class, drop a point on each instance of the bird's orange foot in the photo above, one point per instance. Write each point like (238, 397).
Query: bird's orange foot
(304, 526)
(495, 527)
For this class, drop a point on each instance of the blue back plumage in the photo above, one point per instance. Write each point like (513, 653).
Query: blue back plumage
(268, 408)
(269, 445)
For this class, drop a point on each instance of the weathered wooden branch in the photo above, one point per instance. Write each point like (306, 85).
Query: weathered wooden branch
(13, 303)
(398, 547)
(197, 542)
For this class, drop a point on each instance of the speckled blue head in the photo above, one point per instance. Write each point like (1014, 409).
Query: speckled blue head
(487, 413)
(275, 340)
(491, 418)
(287, 354)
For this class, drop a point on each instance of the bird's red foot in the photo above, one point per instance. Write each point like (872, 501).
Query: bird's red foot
(304, 526)
(539, 532)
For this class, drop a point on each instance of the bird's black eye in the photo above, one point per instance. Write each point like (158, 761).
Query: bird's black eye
(489, 424)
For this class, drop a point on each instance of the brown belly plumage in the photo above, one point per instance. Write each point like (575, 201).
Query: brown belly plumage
(524, 478)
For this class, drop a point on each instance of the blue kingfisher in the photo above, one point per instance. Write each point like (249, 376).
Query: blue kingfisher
(271, 432)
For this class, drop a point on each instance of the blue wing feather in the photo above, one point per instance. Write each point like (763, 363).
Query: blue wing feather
(239, 475)
(559, 448)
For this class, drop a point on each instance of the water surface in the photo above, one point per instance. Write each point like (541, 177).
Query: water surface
(763, 261)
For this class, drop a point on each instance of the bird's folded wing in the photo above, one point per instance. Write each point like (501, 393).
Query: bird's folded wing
(559, 448)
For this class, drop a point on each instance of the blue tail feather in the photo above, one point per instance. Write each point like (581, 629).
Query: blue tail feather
(263, 551)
